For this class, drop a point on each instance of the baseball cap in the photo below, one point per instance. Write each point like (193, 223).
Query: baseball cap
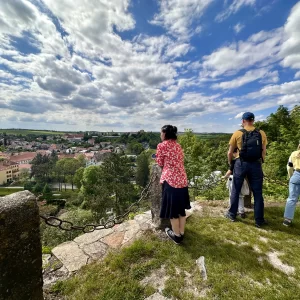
(248, 116)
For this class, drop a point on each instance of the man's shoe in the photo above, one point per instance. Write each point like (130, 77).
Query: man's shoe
(259, 225)
(230, 217)
(170, 233)
(287, 222)
(243, 215)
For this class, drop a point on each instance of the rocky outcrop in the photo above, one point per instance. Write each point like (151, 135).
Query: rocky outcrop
(95, 245)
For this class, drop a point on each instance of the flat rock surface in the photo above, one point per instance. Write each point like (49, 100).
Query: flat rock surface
(92, 237)
(142, 218)
(71, 256)
(114, 240)
(96, 250)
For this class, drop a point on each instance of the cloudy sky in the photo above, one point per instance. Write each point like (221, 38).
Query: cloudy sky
(139, 64)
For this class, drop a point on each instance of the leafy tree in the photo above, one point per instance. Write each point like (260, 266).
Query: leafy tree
(81, 160)
(29, 186)
(66, 169)
(117, 174)
(24, 176)
(47, 193)
(71, 166)
(78, 177)
(142, 172)
(86, 136)
(43, 166)
(108, 185)
(38, 188)
(135, 148)
(61, 173)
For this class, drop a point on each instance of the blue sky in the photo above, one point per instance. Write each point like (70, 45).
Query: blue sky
(126, 65)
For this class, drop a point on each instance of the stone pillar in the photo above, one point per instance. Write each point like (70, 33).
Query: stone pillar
(155, 198)
(20, 248)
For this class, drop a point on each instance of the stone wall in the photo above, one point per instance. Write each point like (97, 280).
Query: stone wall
(20, 248)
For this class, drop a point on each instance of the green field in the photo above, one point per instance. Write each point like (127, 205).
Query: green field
(8, 191)
(29, 131)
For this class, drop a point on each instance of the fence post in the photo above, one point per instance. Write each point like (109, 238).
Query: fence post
(155, 198)
(20, 248)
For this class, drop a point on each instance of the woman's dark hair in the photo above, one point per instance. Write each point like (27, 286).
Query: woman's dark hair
(170, 132)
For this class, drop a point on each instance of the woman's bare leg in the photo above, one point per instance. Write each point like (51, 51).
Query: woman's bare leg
(182, 221)
(175, 226)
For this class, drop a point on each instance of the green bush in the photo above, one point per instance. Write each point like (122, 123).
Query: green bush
(275, 191)
(219, 192)
(52, 236)
(38, 188)
(29, 186)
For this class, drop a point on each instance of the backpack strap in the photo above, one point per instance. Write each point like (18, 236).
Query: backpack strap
(244, 136)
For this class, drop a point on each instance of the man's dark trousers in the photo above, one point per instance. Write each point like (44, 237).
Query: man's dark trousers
(253, 170)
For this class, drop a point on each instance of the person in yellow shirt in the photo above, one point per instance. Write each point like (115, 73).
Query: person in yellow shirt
(252, 145)
(294, 186)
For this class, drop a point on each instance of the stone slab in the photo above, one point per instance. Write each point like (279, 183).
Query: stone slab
(126, 225)
(131, 233)
(114, 240)
(70, 255)
(142, 218)
(92, 237)
(96, 250)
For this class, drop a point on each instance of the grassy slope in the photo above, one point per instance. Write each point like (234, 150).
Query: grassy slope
(235, 269)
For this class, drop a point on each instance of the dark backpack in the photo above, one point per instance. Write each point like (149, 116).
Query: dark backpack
(251, 145)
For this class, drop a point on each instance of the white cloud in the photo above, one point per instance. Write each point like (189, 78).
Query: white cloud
(239, 115)
(287, 88)
(249, 76)
(270, 77)
(84, 75)
(233, 8)
(290, 50)
(238, 27)
(177, 16)
(260, 49)
(260, 118)
(297, 75)
(287, 93)
(293, 99)
(195, 104)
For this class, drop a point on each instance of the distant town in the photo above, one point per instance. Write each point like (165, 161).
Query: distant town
(18, 147)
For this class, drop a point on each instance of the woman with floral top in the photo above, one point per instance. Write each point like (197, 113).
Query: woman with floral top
(175, 194)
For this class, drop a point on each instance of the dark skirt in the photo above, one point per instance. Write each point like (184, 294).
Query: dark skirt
(174, 202)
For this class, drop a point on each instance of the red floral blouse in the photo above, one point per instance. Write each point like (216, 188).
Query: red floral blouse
(169, 155)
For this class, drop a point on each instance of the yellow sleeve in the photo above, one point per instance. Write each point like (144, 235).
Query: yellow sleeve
(233, 140)
(264, 138)
(290, 170)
